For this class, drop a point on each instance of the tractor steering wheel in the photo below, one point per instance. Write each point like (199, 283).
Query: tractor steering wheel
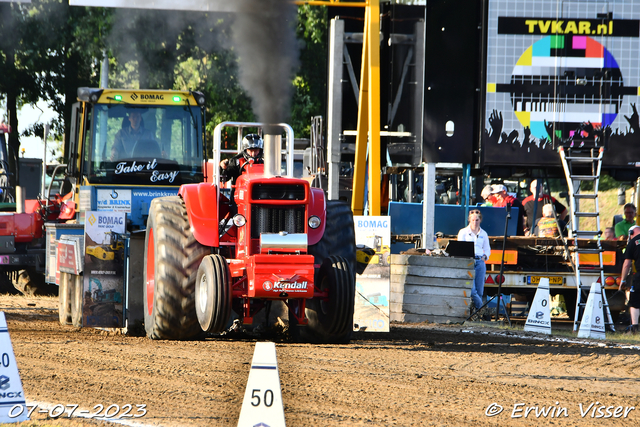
(244, 165)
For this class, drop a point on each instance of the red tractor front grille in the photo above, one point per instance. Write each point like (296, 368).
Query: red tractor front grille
(278, 192)
(269, 219)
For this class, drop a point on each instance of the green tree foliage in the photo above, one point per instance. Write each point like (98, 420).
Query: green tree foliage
(149, 40)
(43, 57)
(207, 62)
(16, 80)
(48, 49)
(61, 46)
(311, 80)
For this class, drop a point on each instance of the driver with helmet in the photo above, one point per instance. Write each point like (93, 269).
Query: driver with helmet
(251, 153)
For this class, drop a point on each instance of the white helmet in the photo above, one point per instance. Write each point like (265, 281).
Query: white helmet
(250, 141)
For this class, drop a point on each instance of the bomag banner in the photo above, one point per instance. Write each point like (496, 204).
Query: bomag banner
(560, 73)
(373, 239)
(103, 269)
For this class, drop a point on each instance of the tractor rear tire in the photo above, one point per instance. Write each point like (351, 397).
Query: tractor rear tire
(339, 241)
(64, 299)
(339, 237)
(171, 260)
(213, 293)
(330, 321)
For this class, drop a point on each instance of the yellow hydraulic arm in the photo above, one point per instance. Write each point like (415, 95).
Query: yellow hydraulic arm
(368, 106)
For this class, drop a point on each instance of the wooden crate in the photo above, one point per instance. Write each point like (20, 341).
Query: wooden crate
(434, 289)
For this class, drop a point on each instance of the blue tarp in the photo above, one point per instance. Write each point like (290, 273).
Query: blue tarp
(406, 218)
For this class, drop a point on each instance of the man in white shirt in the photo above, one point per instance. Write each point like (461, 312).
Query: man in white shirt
(482, 250)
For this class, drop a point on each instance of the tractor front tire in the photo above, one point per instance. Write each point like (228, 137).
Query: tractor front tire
(171, 260)
(213, 293)
(330, 320)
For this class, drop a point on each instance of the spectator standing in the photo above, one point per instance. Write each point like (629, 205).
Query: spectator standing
(482, 251)
(631, 256)
(543, 198)
(622, 228)
(503, 198)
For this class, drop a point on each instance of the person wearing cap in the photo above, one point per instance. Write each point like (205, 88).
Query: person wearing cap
(482, 250)
(543, 199)
(489, 200)
(622, 227)
(502, 198)
(631, 256)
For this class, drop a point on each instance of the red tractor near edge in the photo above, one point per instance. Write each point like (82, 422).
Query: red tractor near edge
(210, 253)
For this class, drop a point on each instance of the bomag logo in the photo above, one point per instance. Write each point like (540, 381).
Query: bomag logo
(134, 96)
(92, 219)
(147, 97)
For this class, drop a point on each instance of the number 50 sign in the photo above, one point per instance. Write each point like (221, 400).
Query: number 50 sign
(262, 404)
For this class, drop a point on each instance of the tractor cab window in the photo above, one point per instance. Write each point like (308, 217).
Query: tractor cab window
(151, 145)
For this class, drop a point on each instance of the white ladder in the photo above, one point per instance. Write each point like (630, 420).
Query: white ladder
(575, 162)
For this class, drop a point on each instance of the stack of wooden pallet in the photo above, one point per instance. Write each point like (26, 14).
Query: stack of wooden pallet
(429, 288)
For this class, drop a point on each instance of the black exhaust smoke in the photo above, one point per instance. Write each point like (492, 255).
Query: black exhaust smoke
(265, 42)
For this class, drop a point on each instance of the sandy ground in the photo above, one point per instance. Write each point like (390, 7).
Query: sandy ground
(416, 375)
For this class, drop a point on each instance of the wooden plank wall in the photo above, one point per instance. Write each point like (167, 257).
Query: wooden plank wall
(434, 289)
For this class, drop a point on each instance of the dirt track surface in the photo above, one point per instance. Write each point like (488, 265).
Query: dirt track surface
(416, 375)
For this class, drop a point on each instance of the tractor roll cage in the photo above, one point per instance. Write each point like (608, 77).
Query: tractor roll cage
(217, 147)
(217, 144)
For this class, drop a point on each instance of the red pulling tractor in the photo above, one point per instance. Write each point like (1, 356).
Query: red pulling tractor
(210, 253)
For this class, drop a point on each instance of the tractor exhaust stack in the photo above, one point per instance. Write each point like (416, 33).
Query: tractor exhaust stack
(272, 155)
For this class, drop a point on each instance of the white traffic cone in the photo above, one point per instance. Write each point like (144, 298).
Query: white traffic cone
(262, 404)
(13, 406)
(539, 319)
(592, 323)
